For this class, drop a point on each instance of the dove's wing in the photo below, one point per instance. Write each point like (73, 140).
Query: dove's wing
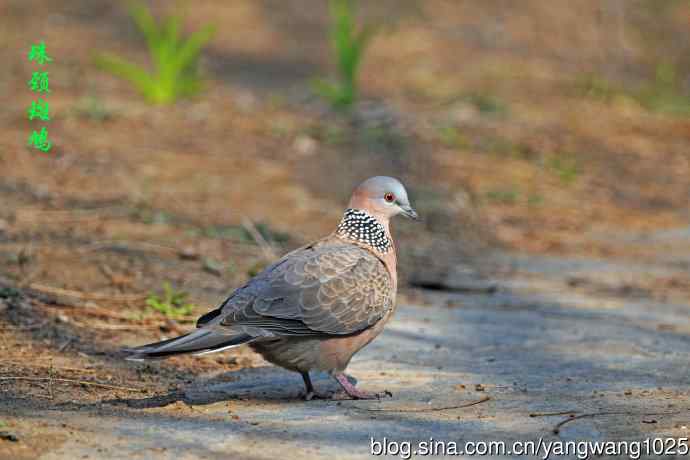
(335, 288)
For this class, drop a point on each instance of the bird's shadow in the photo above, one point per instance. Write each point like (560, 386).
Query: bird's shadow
(258, 384)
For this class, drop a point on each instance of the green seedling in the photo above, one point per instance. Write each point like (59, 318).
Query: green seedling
(451, 137)
(664, 94)
(503, 195)
(348, 43)
(173, 303)
(174, 58)
(567, 169)
(535, 200)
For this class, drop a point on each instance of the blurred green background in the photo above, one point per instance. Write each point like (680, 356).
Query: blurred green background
(193, 142)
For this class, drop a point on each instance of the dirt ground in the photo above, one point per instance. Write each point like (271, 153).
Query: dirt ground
(515, 128)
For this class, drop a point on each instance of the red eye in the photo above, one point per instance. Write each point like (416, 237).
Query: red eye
(389, 197)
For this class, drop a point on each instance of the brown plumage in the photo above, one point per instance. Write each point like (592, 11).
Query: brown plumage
(318, 305)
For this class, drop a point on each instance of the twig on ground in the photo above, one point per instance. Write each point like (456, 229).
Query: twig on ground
(130, 246)
(50, 381)
(86, 296)
(102, 312)
(26, 363)
(559, 425)
(26, 280)
(64, 346)
(265, 246)
(28, 327)
(75, 382)
(118, 281)
(551, 414)
(33, 215)
(434, 409)
(95, 310)
(92, 310)
(118, 327)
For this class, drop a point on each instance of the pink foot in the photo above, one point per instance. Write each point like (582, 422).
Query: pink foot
(354, 393)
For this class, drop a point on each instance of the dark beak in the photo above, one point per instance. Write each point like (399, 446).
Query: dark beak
(409, 212)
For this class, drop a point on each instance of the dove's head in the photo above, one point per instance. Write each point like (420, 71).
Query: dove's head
(383, 197)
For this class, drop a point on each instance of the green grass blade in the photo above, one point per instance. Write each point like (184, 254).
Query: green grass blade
(171, 30)
(189, 51)
(359, 46)
(342, 32)
(147, 25)
(124, 69)
(167, 45)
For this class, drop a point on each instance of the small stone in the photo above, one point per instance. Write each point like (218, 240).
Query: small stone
(245, 101)
(188, 253)
(305, 145)
(464, 113)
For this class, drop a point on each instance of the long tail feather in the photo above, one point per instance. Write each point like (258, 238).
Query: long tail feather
(201, 341)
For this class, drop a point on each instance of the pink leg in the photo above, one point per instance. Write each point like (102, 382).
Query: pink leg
(353, 392)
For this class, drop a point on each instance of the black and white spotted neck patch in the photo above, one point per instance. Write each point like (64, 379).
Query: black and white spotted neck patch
(362, 227)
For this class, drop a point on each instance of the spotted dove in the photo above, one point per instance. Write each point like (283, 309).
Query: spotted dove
(318, 305)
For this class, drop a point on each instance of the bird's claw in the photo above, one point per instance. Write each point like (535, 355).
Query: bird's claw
(356, 393)
(312, 395)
